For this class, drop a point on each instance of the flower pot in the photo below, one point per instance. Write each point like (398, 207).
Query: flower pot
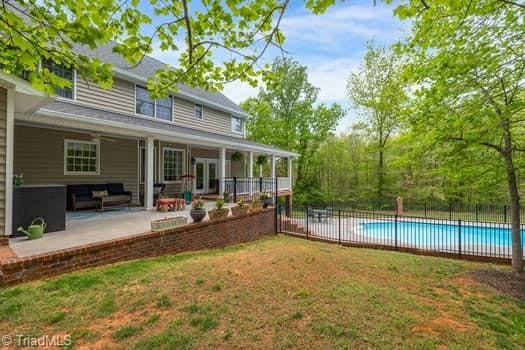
(167, 223)
(238, 211)
(217, 214)
(197, 214)
(267, 202)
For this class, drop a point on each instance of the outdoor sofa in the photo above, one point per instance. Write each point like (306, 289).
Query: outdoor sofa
(81, 196)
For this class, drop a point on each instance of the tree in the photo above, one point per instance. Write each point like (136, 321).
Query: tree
(377, 90)
(467, 66)
(216, 41)
(286, 114)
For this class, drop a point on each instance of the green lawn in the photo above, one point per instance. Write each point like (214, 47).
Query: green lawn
(276, 293)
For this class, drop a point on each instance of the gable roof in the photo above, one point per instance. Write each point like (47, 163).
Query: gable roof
(148, 67)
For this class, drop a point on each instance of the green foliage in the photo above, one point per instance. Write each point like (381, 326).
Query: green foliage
(216, 41)
(286, 114)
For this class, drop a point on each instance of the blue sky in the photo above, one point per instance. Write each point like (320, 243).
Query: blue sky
(330, 45)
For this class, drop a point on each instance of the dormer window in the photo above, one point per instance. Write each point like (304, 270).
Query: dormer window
(237, 125)
(198, 111)
(161, 108)
(63, 72)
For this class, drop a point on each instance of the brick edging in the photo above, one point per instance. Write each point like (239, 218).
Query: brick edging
(192, 237)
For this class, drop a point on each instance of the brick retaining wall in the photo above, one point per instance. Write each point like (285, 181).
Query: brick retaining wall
(204, 235)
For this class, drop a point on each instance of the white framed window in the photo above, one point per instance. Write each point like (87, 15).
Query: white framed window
(237, 125)
(172, 164)
(161, 108)
(81, 157)
(199, 111)
(66, 73)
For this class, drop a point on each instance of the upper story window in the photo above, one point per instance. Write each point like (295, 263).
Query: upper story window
(161, 108)
(237, 125)
(81, 157)
(63, 72)
(198, 111)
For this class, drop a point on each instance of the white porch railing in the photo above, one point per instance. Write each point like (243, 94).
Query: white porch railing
(283, 183)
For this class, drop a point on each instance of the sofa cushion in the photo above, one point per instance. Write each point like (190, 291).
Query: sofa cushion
(97, 187)
(84, 198)
(115, 188)
(79, 190)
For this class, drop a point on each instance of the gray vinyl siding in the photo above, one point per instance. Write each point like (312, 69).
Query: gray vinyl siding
(39, 155)
(212, 121)
(3, 121)
(119, 98)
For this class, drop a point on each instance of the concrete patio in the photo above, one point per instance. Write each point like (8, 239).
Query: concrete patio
(84, 227)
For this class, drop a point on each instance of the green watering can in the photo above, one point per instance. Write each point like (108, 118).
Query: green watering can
(35, 230)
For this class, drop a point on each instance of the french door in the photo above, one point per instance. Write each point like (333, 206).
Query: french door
(206, 175)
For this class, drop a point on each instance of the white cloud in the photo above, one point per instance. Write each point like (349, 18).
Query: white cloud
(340, 24)
(239, 91)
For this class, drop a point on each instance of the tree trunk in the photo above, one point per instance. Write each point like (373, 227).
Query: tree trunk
(381, 175)
(517, 249)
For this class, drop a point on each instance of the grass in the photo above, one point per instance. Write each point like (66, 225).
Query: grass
(277, 293)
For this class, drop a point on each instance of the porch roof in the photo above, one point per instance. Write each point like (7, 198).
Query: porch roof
(153, 127)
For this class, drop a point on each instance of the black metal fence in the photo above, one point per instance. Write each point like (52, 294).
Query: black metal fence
(249, 188)
(407, 233)
(434, 209)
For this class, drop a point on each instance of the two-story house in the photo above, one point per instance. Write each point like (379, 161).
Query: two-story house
(87, 134)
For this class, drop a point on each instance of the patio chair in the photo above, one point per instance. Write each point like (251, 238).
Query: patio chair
(318, 214)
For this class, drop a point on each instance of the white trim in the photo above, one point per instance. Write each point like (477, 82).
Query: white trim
(202, 111)
(81, 173)
(143, 131)
(164, 148)
(9, 147)
(156, 155)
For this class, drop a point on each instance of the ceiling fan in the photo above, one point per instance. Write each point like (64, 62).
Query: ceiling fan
(99, 137)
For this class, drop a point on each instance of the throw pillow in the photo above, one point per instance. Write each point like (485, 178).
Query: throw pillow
(99, 194)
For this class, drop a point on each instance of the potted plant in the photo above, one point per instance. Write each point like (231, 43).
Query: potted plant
(256, 205)
(219, 212)
(197, 211)
(237, 156)
(240, 209)
(266, 199)
(19, 180)
(187, 186)
(227, 196)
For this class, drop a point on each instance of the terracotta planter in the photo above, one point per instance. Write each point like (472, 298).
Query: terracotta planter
(218, 213)
(256, 207)
(238, 211)
(197, 214)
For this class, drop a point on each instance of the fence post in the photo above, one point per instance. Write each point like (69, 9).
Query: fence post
(277, 218)
(234, 189)
(505, 213)
(339, 224)
(395, 233)
(459, 236)
(306, 212)
(276, 192)
(260, 185)
(450, 211)
(425, 210)
(477, 212)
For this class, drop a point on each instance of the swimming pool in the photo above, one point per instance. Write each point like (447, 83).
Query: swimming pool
(429, 234)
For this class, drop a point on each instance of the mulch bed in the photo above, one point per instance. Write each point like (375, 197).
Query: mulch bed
(506, 282)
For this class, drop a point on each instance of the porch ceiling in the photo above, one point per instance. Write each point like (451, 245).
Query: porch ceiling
(70, 115)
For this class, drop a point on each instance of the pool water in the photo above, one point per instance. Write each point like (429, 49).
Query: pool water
(439, 234)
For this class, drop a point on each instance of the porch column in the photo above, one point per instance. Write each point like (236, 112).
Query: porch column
(9, 135)
(148, 185)
(290, 171)
(222, 170)
(273, 166)
(250, 164)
